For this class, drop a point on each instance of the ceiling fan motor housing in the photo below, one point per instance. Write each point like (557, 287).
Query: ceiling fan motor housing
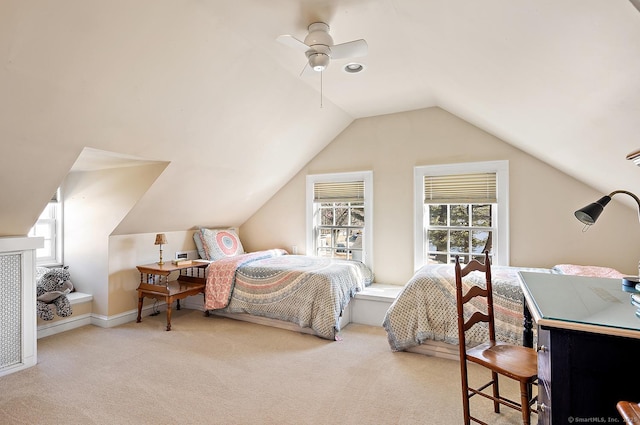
(318, 35)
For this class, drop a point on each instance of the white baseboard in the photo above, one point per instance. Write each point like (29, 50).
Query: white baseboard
(76, 321)
(63, 325)
(126, 317)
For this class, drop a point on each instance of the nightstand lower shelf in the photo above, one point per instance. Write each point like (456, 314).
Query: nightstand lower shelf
(174, 291)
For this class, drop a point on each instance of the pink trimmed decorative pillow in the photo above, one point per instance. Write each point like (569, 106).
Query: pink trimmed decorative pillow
(218, 243)
(592, 271)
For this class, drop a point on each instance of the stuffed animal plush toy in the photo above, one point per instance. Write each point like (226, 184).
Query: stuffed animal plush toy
(52, 287)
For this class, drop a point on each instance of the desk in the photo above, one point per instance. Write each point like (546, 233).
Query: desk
(588, 347)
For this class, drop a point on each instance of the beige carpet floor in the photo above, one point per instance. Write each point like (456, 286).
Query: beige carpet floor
(214, 370)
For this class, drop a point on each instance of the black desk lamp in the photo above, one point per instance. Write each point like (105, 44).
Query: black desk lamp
(589, 214)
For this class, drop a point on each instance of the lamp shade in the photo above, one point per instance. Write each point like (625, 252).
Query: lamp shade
(589, 214)
(161, 239)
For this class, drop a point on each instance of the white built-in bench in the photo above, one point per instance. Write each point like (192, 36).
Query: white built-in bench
(79, 297)
(370, 305)
(81, 303)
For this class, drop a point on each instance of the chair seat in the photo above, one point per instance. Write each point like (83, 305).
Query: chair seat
(514, 361)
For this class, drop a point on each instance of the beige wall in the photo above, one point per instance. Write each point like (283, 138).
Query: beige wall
(128, 251)
(104, 264)
(94, 203)
(543, 231)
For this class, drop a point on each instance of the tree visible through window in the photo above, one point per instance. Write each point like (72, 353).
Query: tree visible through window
(339, 215)
(461, 209)
(458, 229)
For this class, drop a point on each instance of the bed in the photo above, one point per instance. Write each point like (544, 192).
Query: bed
(423, 318)
(309, 292)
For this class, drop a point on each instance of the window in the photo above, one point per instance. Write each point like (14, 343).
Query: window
(461, 209)
(49, 226)
(339, 215)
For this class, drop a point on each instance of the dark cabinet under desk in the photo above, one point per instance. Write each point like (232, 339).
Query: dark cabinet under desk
(582, 375)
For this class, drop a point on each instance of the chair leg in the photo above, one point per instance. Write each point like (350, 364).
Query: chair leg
(524, 401)
(496, 392)
(465, 393)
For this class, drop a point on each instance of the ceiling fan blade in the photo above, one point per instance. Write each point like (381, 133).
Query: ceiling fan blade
(351, 49)
(291, 41)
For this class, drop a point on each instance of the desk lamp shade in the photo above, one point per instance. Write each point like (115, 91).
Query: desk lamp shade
(161, 239)
(589, 214)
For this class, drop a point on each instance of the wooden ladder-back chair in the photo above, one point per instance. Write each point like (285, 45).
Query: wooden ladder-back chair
(513, 361)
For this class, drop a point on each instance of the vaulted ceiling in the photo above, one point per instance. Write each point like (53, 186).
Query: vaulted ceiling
(204, 86)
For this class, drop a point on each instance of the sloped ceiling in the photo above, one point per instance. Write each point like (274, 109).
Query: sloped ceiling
(203, 85)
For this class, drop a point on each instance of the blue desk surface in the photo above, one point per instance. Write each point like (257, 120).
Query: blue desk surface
(582, 303)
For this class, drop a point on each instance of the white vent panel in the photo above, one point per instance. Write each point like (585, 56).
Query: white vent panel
(10, 310)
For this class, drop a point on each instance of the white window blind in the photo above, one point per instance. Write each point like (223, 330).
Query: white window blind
(338, 191)
(477, 188)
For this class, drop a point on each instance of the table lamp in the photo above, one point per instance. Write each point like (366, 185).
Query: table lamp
(161, 239)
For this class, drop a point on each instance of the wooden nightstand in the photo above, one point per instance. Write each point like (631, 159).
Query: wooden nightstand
(155, 283)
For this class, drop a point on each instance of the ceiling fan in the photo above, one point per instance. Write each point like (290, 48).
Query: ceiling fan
(319, 48)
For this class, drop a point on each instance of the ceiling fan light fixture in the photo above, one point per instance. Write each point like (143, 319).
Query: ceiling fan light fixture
(319, 61)
(353, 68)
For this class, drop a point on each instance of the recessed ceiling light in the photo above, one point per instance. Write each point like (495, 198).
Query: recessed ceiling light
(353, 68)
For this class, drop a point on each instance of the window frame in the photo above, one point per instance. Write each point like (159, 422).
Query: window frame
(56, 236)
(364, 176)
(501, 238)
